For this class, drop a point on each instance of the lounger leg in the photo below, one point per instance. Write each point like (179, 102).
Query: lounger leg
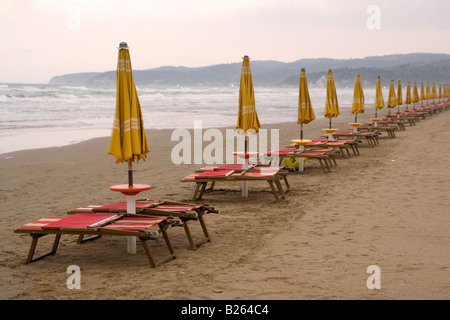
(273, 190)
(194, 245)
(81, 238)
(205, 230)
(148, 253)
(189, 235)
(280, 188)
(210, 188)
(355, 150)
(169, 246)
(199, 190)
(348, 152)
(33, 247)
(202, 190)
(171, 256)
(287, 184)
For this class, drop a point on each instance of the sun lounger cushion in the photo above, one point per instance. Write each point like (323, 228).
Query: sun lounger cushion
(122, 206)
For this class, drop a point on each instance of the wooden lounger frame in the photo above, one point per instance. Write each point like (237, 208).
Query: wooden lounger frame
(325, 158)
(154, 209)
(371, 137)
(96, 232)
(342, 148)
(274, 182)
(388, 129)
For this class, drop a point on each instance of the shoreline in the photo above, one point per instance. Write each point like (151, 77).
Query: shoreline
(386, 207)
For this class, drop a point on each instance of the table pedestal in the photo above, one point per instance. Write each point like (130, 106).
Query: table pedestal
(330, 133)
(246, 156)
(301, 147)
(375, 121)
(130, 193)
(355, 126)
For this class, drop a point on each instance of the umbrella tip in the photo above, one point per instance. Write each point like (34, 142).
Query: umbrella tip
(123, 45)
(246, 57)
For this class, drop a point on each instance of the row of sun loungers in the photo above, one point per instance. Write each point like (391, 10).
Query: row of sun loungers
(345, 144)
(153, 219)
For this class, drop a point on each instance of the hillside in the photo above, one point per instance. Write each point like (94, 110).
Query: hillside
(420, 67)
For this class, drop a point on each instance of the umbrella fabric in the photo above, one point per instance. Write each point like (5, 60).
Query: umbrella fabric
(379, 100)
(358, 97)
(392, 101)
(247, 115)
(440, 92)
(399, 94)
(331, 105)
(434, 93)
(428, 92)
(415, 94)
(422, 92)
(128, 141)
(305, 110)
(408, 99)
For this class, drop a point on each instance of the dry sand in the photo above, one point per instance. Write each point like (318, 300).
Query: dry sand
(387, 207)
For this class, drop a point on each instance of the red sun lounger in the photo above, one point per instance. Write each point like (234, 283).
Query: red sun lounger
(185, 212)
(98, 225)
(273, 176)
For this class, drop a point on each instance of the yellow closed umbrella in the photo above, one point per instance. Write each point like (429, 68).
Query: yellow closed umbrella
(427, 92)
(379, 100)
(434, 91)
(305, 110)
(415, 95)
(399, 95)
(247, 116)
(408, 95)
(422, 92)
(247, 121)
(392, 101)
(128, 141)
(358, 98)
(331, 105)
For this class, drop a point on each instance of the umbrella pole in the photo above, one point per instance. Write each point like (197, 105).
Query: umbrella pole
(330, 122)
(245, 167)
(130, 173)
(131, 208)
(301, 131)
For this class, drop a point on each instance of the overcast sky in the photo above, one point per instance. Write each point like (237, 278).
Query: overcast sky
(43, 38)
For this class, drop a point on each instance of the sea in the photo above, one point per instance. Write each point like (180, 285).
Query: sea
(34, 116)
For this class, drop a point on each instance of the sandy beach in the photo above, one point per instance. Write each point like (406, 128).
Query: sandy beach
(387, 207)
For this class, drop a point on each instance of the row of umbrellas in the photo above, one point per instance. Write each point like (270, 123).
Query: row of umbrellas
(306, 114)
(129, 142)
